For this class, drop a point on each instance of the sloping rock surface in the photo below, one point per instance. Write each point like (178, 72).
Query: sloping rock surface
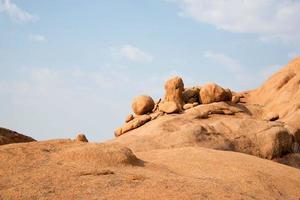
(66, 169)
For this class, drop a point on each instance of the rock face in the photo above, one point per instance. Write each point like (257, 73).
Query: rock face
(142, 104)
(8, 136)
(212, 92)
(173, 91)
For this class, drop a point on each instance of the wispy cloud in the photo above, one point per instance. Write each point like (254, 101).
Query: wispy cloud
(269, 19)
(229, 63)
(269, 71)
(135, 54)
(38, 38)
(15, 13)
(242, 74)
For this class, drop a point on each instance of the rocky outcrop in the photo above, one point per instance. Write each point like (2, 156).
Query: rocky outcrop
(219, 125)
(177, 100)
(213, 117)
(8, 136)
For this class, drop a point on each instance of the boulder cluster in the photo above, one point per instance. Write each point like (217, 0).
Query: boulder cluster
(177, 99)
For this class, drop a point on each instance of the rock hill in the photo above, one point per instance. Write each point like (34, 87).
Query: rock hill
(201, 142)
(8, 136)
(263, 122)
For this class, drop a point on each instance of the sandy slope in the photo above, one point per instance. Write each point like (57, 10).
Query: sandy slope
(72, 170)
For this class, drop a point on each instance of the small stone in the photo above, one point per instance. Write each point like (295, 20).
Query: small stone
(271, 116)
(156, 105)
(235, 99)
(169, 107)
(118, 132)
(195, 104)
(129, 118)
(188, 106)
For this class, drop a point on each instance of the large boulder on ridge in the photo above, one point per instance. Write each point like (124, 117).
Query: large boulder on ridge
(142, 104)
(173, 91)
(212, 92)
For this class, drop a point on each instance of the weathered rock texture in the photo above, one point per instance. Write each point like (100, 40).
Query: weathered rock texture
(64, 169)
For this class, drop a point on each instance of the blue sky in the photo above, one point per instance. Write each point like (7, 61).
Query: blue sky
(74, 66)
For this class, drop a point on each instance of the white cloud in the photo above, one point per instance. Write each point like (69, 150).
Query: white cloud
(38, 38)
(135, 54)
(16, 13)
(270, 19)
(244, 76)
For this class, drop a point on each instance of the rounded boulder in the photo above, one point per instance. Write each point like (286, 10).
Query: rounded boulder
(142, 104)
(212, 92)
